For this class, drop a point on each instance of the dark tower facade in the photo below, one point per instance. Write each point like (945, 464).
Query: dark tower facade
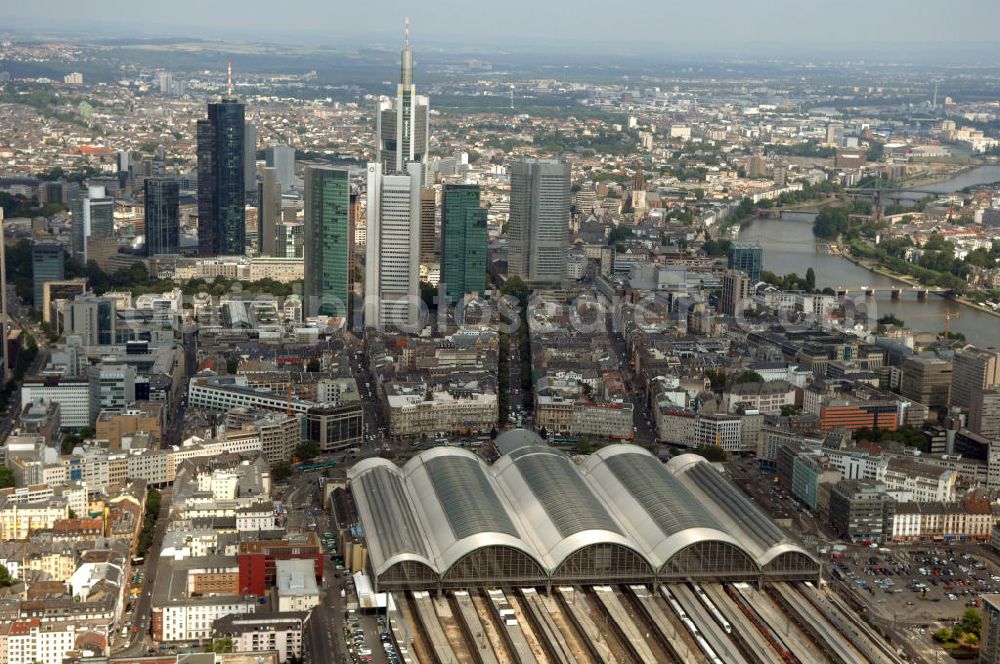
(221, 180)
(162, 215)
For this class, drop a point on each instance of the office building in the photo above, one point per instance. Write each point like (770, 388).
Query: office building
(974, 370)
(984, 415)
(327, 285)
(861, 511)
(162, 215)
(736, 289)
(392, 264)
(747, 258)
(52, 291)
(269, 212)
(91, 318)
(538, 232)
(403, 124)
(282, 159)
(221, 180)
(989, 639)
(926, 380)
(463, 241)
(335, 427)
(250, 161)
(112, 387)
(48, 265)
(258, 558)
(72, 395)
(428, 234)
(93, 216)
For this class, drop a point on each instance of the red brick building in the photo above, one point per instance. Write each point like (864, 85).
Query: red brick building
(256, 559)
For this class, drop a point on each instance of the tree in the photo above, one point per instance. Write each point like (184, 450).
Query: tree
(515, 286)
(281, 471)
(221, 645)
(307, 450)
(717, 247)
(831, 222)
(312, 366)
(972, 621)
(5, 579)
(748, 377)
(6, 477)
(232, 364)
(811, 279)
(711, 452)
(942, 635)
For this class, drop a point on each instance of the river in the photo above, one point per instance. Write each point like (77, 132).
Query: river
(789, 246)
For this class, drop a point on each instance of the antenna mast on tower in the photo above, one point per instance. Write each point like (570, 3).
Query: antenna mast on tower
(229, 79)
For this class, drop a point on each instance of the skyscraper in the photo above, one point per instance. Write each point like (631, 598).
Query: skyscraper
(47, 264)
(538, 234)
(269, 214)
(428, 209)
(736, 287)
(282, 159)
(93, 215)
(221, 180)
(403, 129)
(162, 215)
(975, 370)
(463, 241)
(250, 161)
(746, 258)
(327, 284)
(392, 250)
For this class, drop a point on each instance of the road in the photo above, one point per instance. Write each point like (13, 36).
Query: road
(20, 317)
(641, 420)
(142, 612)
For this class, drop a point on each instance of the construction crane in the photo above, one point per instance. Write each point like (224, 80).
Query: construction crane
(947, 321)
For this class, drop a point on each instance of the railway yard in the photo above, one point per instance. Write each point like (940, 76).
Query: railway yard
(734, 623)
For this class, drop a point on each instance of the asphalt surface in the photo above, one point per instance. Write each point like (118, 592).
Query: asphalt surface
(142, 611)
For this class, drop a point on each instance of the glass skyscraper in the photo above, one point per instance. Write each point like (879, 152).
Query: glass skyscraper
(162, 215)
(47, 265)
(328, 239)
(747, 258)
(463, 241)
(403, 126)
(221, 181)
(93, 215)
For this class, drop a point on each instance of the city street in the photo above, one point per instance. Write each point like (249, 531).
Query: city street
(142, 641)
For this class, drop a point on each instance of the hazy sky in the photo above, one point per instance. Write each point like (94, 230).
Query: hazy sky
(640, 25)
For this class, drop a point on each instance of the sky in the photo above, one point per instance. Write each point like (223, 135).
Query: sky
(640, 26)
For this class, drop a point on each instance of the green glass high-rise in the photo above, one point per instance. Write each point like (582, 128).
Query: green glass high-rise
(328, 239)
(463, 241)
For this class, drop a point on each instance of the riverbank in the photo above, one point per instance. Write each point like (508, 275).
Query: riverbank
(906, 279)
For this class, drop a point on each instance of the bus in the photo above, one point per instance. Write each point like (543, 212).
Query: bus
(442, 442)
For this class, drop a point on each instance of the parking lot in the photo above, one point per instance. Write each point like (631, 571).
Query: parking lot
(917, 584)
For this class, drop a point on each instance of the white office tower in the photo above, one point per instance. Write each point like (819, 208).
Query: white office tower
(403, 126)
(392, 252)
(538, 235)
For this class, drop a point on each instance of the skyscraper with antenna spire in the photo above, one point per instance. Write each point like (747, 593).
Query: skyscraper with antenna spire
(222, 177)
(403, 129)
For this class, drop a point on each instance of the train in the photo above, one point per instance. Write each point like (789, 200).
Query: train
(719, 618)
(691, 627)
